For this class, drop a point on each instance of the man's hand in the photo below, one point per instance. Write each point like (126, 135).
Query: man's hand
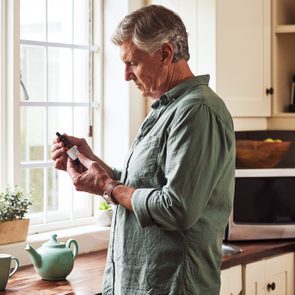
(58, 154)
(94, 179)
(58, 151)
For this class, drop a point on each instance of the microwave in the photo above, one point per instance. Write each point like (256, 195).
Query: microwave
(264, 205)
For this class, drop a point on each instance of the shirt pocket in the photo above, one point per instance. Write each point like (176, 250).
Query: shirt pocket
(143, 162)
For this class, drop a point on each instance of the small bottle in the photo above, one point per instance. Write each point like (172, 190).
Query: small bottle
(72, 149)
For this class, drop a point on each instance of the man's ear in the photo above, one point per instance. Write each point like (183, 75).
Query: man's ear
(167, 53)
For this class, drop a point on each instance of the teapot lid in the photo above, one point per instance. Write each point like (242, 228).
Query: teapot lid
(53, 243)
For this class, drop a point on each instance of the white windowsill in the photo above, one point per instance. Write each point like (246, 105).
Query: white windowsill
(90, 238)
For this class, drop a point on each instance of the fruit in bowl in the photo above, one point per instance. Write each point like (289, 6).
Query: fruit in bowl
(260, 153)
(272, 140)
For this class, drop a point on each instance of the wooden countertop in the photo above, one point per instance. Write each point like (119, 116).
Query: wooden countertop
(86, 277)
(253, 251)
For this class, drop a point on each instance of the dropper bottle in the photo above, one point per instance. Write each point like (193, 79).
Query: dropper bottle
(72, 150)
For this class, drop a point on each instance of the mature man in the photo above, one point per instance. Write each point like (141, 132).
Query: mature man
(175, 191)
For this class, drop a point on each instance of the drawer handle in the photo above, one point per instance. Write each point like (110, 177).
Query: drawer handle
(271, 286)
(269, 91)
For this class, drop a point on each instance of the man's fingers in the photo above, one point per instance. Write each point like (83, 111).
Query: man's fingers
(84, 160)
(75, 140)
(54, 147)
(57, 153)
(71, 169)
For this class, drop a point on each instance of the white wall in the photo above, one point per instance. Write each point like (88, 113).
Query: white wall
(199, 19)
(122, 103)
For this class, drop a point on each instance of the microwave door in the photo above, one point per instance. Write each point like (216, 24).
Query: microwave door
(264, 207)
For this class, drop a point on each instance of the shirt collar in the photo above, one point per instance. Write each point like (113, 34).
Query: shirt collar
(179, 89)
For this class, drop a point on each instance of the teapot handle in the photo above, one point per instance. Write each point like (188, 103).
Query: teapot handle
(71, 241)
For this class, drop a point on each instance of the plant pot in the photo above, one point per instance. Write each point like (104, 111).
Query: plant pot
(104, 217)
(14, 231)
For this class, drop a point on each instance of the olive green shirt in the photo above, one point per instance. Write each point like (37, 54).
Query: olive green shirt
(182, 165)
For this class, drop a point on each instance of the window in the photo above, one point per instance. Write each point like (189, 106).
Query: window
(55, 103)
(58, 45)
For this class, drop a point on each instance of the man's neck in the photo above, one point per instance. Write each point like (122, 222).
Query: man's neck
(178, 73)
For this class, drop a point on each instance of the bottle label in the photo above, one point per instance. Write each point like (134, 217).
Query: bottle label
(73, 152)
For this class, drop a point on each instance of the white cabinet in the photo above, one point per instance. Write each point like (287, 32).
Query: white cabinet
(231, 281)
(283, 42)
(248, 48)
(274, 276)
(231, 40)
(243, 56)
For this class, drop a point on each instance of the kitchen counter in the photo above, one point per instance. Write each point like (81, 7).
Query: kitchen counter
(253, 251)
(86, 277)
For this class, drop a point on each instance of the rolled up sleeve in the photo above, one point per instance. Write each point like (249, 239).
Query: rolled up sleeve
(117, 173)
(140, 206)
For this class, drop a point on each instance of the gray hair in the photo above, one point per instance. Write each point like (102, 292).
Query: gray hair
(152, 26)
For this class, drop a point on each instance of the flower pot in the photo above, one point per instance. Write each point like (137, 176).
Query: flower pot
(14, 231)
(104, 217)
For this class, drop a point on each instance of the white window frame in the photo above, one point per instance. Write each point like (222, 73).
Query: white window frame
(10, 107)
(122, 109)
(2, 92)
(9, 91)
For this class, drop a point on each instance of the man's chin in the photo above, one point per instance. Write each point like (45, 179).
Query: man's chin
(145, 94)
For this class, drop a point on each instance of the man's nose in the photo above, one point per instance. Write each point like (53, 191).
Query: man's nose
(128, 74)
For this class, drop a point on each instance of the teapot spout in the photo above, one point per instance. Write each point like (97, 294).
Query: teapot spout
(35, 257)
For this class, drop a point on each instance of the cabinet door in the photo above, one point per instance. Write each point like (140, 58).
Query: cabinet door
(273, 276)
(243, 59)
(254, 278)
(231, 281)
(279, 275)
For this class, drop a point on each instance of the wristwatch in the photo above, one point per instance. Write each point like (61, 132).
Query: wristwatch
(107, 195)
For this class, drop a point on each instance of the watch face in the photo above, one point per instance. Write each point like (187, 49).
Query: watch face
(107, 198)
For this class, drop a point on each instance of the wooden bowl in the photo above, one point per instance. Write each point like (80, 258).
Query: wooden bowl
(260, 154)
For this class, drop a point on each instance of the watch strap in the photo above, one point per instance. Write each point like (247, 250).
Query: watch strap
(107, 195)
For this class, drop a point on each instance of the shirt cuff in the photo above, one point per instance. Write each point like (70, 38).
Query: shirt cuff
(139, 203)
(117, 174)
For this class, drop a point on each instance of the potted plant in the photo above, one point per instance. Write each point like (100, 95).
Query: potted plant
(104, 214)
(14, 204)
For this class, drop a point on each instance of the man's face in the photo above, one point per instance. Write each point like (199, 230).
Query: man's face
(144, 69)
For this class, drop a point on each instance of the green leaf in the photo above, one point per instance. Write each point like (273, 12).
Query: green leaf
(104, 206)
(14, 203)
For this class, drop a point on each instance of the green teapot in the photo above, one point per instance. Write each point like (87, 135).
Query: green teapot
(54, 260)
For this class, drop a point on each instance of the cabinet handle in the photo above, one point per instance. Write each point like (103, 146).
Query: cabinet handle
(271, 286)
(269, 91)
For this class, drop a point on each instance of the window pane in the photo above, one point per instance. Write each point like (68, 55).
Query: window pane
(81, 122)
(82, 204)
(60, 72)
(33, 71)
(60, 201)
(60, 21)
(60, 190)
(52, 189)
(81, 75)
(32, 133)
(32, 20)
(81, 24)
(59, 119)
(32, 180)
